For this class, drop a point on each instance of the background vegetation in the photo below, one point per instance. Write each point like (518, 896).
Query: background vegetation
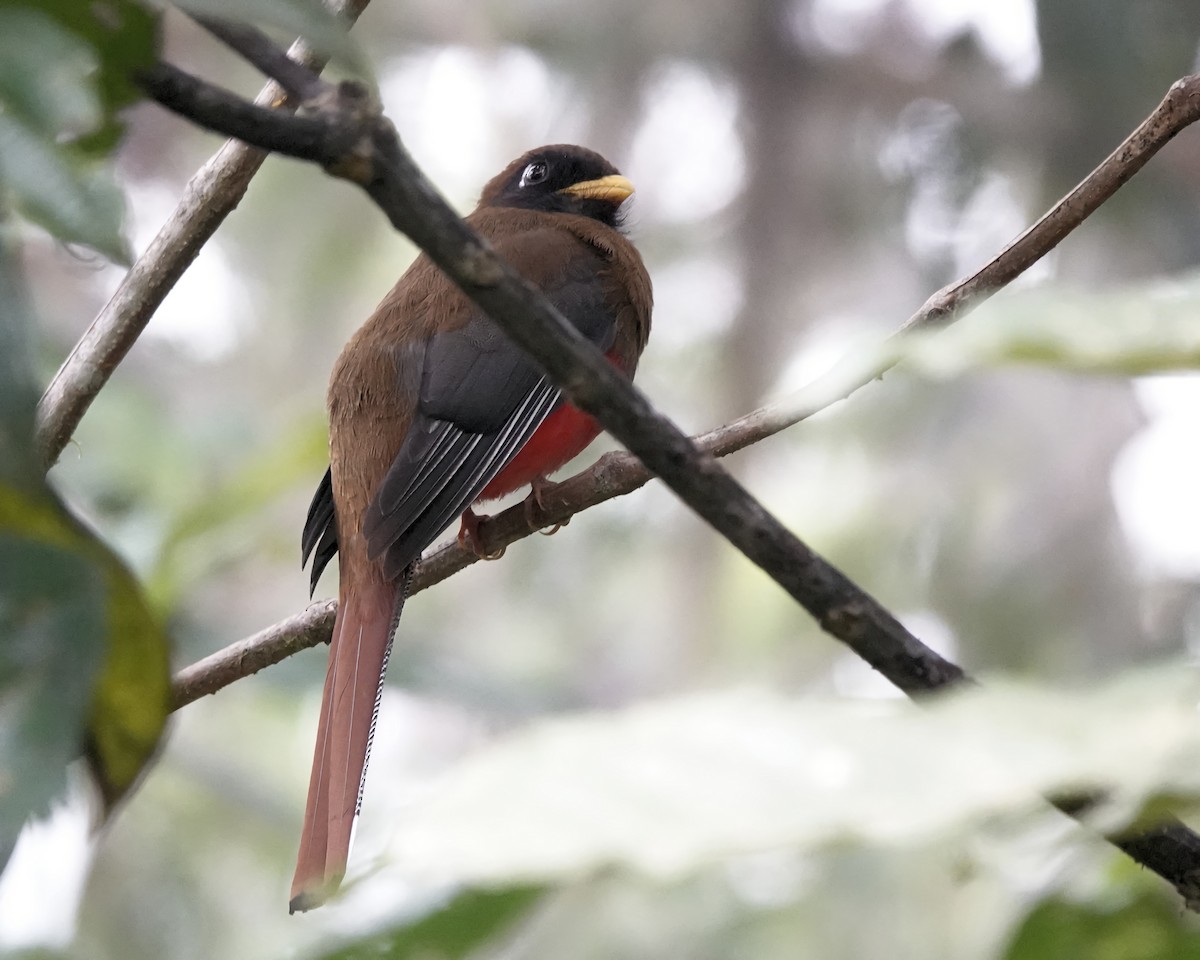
(624, 741)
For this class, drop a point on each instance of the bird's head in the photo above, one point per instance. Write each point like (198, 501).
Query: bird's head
(561, 179)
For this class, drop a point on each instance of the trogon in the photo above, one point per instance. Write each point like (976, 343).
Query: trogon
(433, 408)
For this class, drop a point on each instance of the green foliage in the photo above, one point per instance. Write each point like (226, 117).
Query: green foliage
(132, 694)
(1136, 330)
(186, 553)
(668, 788)
(469, 921)
(52, 650)
(781, 821)
(74, 200)
(35, 954)
(117, 36)
(1147, 928)
(83, 663)
(65, 72)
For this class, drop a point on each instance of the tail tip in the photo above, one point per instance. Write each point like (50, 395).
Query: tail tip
(310, 896)
(302, 902)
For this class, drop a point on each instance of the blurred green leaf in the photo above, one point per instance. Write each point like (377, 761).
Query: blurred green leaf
(187, 552)
(76, 201)
(122, 36)
(132, 696)
(77, 610)
(45, 73)
(471, 920)
(65, 69)
(1130, 331)
(53, 647)
(36, 953)
(670, 787)
(83, 665)
(18, 460)
(1148, 928)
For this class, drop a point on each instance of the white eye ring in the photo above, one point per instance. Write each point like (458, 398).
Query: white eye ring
(536, 172)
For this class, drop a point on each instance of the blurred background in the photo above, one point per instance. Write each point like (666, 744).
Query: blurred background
(808, 172)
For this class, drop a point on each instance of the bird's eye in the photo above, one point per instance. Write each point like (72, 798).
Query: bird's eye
(536, 172)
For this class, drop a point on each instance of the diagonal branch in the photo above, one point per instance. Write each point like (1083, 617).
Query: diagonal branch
(294, 76)
(1178, 109)
(619, 473)
(305, 137)
(277, 642)
(209, 197)
(613, 475)
(376, 161)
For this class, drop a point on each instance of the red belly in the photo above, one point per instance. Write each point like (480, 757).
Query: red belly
(561, 436)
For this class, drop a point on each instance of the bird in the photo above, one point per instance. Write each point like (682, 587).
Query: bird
(432, 408)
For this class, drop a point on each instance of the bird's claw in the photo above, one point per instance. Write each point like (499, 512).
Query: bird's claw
(468, 537)
(533, 503)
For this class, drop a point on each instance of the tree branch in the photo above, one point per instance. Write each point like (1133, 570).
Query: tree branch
(376, 160)
(613, 475)
(213, 107)
(300, 82)
(275, 643)
(619, 473)
(209, 197)
(1179, 109)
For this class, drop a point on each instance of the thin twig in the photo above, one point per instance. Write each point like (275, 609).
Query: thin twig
(297, 79)
(248, 656)
(1179, 109)
(209, 197)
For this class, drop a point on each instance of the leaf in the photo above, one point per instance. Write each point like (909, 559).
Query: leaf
(670, 787)
(132, 696)
(45, 74)
(53, 647)
(472, 919)
(19, 465)
(122, 36)
(1129, 331)
(64, 72)
(83, 662)
(81, 610)
(1148, 928)
(35, 953)
(75, 201)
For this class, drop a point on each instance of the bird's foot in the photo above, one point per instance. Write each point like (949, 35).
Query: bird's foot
(534, 505)
(468, 536)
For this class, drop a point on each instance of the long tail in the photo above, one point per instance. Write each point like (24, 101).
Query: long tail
(358, 654)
